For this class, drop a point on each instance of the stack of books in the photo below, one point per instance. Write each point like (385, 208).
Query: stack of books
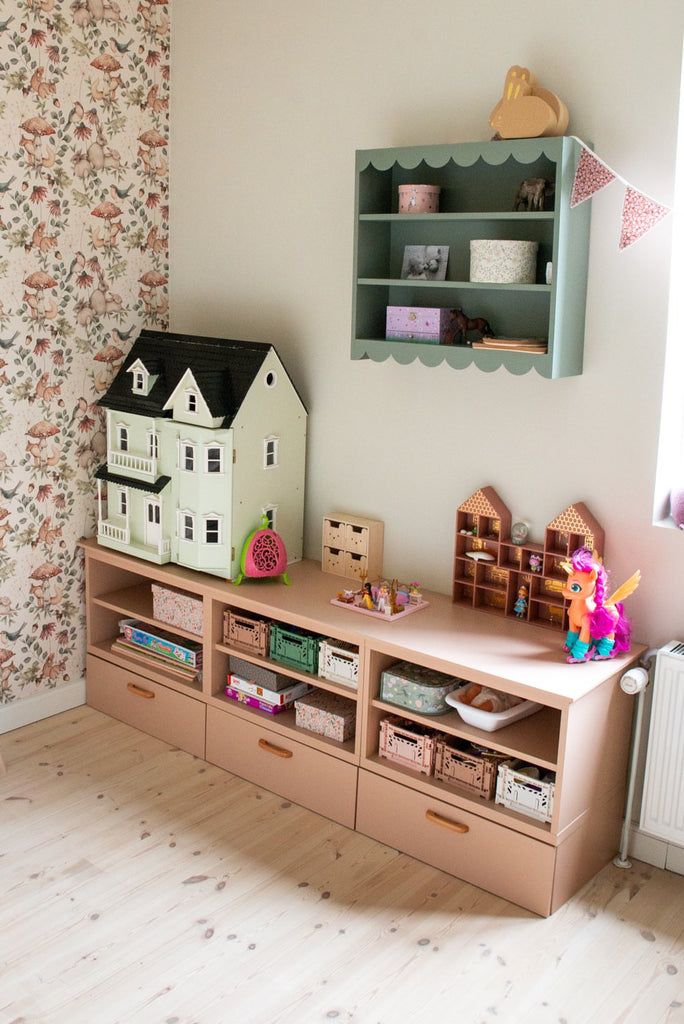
(248, 692)
(182, 658)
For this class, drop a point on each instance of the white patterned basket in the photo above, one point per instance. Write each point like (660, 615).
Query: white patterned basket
(502, 261)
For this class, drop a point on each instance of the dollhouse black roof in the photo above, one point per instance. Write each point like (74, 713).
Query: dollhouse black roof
(128, 481)
(224, 371)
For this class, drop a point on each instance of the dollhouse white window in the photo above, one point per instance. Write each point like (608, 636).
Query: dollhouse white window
(270, 512)
(123, 502)
(187, 459)
(191, 401)
(212, 529)
(153, 444)
(271, 446)
(123, 438)
(186, 525)
(271, 379)
(139, 381)
(213, 458)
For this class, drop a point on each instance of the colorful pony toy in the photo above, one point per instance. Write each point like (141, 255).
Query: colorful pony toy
(599, 629)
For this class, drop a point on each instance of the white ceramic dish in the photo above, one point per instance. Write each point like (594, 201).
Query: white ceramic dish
(489, 721)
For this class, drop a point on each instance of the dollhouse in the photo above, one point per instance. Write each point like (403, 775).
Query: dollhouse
(204, 437)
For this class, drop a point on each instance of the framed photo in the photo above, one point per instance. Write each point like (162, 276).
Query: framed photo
(425, 263)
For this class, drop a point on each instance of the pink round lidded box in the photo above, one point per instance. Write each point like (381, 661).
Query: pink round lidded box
(419, 198)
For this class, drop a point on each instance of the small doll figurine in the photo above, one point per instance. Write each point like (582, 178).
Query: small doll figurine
(367, 597)
(599, 629)
(383, 601)
(520, 606)
(535, 563)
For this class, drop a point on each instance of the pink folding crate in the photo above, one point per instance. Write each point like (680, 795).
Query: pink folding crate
(246, 631)
(468, 766)
(409, 744)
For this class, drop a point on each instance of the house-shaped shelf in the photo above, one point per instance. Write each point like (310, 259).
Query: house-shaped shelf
(489, 569)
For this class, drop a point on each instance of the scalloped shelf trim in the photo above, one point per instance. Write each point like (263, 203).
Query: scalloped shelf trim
(465, 154)
(458, 357)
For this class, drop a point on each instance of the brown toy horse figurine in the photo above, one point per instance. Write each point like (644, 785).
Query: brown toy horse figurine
(457, 333)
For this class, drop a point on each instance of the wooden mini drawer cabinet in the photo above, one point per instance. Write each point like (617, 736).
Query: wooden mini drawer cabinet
(291, 769)
(352, 545)
(150, 707)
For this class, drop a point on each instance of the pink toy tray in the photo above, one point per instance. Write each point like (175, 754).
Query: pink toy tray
(408, 610)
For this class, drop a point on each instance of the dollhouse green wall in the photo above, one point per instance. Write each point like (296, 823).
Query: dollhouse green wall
(269, 104)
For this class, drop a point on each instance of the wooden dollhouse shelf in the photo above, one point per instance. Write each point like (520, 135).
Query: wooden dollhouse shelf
(538, 865)
(479, 183)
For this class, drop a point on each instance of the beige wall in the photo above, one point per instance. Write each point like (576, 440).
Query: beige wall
(269, 103)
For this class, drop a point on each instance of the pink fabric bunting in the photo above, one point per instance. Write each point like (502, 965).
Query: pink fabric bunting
(590, 176)
(639, 214)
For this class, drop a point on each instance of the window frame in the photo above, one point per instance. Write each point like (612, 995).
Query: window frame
(122, 437)
(123, 502)
(211, 517)
(182, 454)
(272, 442)
(191, 395)
(185, 514)
(213, 445)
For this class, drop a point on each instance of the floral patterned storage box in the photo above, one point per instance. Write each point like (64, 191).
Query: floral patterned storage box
(327, 714)
(176, 608)
(417, 688)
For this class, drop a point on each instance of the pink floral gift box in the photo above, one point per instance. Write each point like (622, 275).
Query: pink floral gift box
(418, 323)
(327, 714)
(176, 608)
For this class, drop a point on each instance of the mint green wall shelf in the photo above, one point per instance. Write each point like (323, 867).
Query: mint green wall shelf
(479, 182)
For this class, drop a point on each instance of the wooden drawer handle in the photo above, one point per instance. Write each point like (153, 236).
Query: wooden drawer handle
(139, 692)
(454, 826)
(271, 748)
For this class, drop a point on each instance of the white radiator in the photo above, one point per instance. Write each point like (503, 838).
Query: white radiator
(662, 809)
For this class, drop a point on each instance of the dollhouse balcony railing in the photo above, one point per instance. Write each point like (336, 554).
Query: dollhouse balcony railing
(122, 534)
(132, 463)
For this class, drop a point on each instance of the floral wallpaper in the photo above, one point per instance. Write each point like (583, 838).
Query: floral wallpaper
(83, 265)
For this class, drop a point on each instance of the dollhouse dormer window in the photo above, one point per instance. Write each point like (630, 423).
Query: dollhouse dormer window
(191, 401)
(140, 378)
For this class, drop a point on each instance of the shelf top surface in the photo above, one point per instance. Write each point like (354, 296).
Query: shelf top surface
(458, 640)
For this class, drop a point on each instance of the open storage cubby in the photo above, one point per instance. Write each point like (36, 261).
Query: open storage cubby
(479, 183)
(581, 734)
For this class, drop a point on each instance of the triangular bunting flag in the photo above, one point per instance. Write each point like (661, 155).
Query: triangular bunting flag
(590, 176)
(639, 214)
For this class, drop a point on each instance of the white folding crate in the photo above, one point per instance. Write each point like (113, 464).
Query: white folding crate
(519, 792)
(339, 662)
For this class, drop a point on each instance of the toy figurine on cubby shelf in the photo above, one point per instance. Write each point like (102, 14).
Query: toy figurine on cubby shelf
(263, 555)
(383, 600)
(491, 567)
(520, 606)
(598, 628)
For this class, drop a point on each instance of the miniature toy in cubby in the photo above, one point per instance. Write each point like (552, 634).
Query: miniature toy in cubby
(522, 581)
(352, 546)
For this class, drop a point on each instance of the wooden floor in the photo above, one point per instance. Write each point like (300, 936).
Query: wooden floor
(138, 884)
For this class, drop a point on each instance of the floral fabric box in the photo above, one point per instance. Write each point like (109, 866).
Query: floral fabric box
(417, 688)
(176, 608)
(418, 323)
(327, 714)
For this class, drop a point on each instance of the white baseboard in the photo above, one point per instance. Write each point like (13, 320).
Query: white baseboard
(42, 705)
(656, 851)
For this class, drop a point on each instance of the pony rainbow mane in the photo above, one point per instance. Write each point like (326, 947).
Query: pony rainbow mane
(602, 623)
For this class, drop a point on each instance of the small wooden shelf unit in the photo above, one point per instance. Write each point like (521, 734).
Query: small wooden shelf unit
(581, 733)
